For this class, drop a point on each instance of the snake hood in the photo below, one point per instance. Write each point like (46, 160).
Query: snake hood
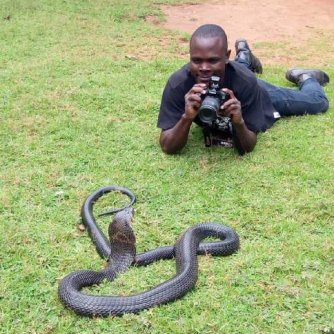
(120, 229)
(122, 241)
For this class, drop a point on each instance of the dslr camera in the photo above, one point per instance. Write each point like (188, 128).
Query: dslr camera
(212, 100)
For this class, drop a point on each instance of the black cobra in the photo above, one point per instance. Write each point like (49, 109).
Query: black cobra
(120, 251)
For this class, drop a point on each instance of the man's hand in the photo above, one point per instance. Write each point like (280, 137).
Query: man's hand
(232, 108)
(193, 101)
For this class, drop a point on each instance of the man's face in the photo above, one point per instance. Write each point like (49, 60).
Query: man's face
(208, 57)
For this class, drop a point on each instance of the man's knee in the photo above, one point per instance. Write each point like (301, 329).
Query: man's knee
(325, 105)
(321, 106)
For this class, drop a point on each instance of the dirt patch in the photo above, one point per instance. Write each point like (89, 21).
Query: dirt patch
(267, 24)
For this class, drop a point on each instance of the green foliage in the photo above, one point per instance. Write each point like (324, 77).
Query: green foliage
(80, 88)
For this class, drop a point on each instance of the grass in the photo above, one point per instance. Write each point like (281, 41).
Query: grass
(80, 88)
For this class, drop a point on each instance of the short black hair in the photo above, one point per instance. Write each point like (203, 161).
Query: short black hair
(210, 31)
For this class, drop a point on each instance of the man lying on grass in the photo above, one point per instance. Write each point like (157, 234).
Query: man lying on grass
(247, 105)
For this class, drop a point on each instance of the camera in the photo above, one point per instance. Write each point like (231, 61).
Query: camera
(212, 100)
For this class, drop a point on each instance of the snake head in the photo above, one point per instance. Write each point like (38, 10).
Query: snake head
(120, 229)
(125, 216)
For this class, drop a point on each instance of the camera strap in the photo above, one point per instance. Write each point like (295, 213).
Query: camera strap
(207, 136)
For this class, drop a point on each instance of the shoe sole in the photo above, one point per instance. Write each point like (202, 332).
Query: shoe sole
(241, 40)
(255, 62)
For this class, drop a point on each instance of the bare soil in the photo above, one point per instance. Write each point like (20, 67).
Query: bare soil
(266, 24)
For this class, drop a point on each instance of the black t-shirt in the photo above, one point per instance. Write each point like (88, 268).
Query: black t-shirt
(257, 109)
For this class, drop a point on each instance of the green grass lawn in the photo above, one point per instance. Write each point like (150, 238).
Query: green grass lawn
(80, 88)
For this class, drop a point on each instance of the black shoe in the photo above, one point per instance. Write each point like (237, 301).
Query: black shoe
(298, 76)
(243, 52)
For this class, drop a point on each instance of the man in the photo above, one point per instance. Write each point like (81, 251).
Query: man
(253, 104)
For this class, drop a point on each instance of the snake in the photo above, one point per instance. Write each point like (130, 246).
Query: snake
(119, 250)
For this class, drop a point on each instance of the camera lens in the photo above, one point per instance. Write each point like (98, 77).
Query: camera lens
(209, 108)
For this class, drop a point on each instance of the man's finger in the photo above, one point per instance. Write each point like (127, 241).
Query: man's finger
(229, 92)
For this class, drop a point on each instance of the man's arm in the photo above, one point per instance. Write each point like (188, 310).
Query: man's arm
(247, 138)
(174, 139)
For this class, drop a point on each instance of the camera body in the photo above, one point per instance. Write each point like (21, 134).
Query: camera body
(212, 100)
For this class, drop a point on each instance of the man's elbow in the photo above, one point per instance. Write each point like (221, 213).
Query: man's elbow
(166, 149)
(250, 147)
(165, 143)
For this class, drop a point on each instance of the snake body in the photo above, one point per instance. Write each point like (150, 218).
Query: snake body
(120, 252)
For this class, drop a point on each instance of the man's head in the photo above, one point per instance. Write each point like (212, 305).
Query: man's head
(208, 52)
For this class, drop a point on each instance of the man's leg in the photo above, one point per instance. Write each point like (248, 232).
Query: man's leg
(308, 99)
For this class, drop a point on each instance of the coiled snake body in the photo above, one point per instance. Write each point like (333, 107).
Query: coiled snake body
(120, 252)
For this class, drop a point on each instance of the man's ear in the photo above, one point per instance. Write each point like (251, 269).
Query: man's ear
(228, 53)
